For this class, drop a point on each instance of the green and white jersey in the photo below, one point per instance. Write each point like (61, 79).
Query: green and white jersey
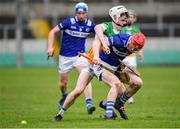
(130, 30)
(108, 29)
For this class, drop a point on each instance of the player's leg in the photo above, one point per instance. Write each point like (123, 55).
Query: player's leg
(121, 110)
(131, 61)
(80, 63)
(118, 89)
(65, 66)
(135, 84)
(115, 85)
(89, 101)
(82, 82)
(63, 77)
(83, 79)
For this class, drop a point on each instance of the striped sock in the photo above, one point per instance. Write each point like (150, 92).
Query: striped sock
(109, 108)
(64, 94)
(62, 111)
(88, 102)
(123, 99)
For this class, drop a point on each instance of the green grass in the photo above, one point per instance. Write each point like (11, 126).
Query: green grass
(31, 94)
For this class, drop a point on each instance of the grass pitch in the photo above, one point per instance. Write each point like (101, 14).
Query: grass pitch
(31, 94)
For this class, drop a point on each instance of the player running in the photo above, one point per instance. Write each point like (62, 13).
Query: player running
(75, 30)
(120, 46)
(131, 29)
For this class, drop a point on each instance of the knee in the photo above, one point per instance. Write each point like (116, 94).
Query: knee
(63, 83)
(118, 87)
(138, 83)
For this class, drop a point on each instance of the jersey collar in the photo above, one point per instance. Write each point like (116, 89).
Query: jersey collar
(128, 42)
(78, 21)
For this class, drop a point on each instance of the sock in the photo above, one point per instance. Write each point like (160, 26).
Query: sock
(64, 94)
(88, 102)
(62, 111)
(109, 108)
(123, 99)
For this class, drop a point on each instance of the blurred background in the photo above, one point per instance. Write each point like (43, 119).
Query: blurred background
(24, 27)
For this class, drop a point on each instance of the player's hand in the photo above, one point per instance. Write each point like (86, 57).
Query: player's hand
(106, 49)
(96, 61)
(141, 56)
(50, 52)
(122, 66)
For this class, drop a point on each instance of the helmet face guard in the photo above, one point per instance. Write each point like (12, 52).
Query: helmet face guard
(138, 41)
(118, 11)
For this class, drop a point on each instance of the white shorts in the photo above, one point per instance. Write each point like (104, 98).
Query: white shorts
(68, 63)
(97, 70)
(130, 61)
(94, 70)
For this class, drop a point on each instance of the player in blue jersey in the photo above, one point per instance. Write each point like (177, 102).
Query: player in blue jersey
(120, 45)
(75, 30)
(118, 51)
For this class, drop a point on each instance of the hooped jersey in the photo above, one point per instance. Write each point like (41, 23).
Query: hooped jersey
(118, 48)
(74, 35)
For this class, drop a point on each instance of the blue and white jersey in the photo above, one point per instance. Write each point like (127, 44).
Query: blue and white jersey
(74, 35)
(118, 47)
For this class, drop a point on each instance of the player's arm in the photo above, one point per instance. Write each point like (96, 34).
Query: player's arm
(51, 37)
(96, 48)
(141, 55)
(99, 29)
(140, 52)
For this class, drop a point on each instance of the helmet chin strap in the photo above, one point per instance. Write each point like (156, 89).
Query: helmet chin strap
(119, 24)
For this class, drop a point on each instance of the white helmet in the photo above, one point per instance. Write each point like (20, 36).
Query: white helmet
(117, 11)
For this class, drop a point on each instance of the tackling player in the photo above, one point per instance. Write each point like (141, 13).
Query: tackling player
(75, 30)
(131, 29)
(119, 15)
(118, 51)
(120, 46)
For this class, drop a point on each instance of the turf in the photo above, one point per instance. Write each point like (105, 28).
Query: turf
(31, 94)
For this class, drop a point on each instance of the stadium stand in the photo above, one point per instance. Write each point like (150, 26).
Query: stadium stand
(143, 18)
(159, 20)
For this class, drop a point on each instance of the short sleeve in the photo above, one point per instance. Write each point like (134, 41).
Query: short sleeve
(104, 26)
(64, 24)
